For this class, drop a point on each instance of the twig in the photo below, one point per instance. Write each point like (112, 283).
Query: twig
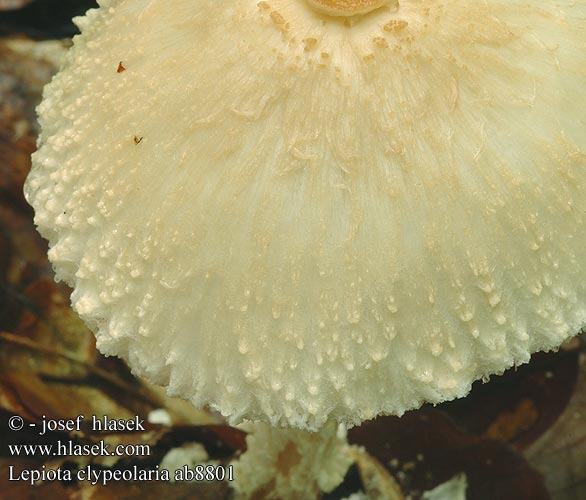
(137, 392)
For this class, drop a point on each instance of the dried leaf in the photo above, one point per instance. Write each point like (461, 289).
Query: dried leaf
(44, 19)
(454, 489)
(377, 482)
(425, 448)
(522, 404)
(560, 454)
(22, 490)
(13, 4)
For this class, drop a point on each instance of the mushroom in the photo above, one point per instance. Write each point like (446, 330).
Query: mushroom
(304, 211)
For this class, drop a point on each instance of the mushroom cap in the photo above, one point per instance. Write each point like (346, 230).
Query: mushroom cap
(295, 217)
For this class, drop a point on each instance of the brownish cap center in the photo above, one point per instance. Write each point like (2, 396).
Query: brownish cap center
(346, 7)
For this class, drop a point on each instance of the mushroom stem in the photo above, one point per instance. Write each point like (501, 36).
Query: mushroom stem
(290, 463)
(346, 7)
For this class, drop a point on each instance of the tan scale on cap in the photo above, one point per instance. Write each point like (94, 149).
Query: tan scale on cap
(296, 217)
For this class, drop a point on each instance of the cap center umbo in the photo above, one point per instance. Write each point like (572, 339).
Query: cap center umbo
(348, 7)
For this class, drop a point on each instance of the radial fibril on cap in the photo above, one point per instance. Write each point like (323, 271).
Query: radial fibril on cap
(323, 218)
